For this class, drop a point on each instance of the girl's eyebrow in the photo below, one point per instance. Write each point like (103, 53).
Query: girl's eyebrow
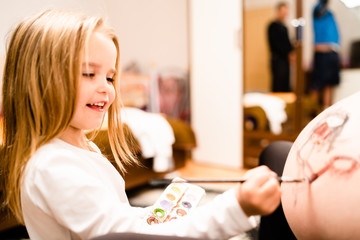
(96, 65)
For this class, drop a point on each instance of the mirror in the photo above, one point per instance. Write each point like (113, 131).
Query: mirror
(272, 116)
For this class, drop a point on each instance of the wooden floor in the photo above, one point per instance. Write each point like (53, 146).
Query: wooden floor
(195, 170)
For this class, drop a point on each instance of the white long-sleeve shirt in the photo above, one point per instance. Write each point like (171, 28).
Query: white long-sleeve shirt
(71, 193)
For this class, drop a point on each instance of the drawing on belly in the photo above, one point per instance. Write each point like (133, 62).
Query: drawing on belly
(322, 139)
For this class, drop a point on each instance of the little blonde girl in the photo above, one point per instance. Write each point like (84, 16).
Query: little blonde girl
(61, 77)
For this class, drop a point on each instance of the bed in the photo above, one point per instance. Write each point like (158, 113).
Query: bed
(139, 175)
(258, 129)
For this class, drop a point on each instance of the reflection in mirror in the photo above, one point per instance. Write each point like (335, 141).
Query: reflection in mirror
(270, 116)
(267, 114)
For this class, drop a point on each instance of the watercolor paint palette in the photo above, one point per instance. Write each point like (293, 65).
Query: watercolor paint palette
(177, 200)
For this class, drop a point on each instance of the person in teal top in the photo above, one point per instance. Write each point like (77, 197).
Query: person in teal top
(326, 65)
(325, 27)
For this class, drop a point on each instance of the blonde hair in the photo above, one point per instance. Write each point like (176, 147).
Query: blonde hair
(41, 75)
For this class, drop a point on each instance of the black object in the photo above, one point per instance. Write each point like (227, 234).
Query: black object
(275, 225)
(355, 54)
(15, 233)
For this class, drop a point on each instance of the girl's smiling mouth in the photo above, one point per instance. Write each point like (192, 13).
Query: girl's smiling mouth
(99, 106)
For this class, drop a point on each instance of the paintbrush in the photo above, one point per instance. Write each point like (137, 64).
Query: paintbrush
(165, 181)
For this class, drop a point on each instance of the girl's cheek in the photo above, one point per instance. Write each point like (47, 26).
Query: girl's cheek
(112, 96)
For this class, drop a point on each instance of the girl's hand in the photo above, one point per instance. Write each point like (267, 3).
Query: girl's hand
(260, 194)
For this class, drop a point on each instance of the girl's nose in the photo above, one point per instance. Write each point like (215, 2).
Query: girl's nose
(104, 84)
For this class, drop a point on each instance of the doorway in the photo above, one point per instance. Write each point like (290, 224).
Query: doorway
(268, 116)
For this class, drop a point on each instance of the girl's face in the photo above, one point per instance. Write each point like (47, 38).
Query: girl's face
(96, 91)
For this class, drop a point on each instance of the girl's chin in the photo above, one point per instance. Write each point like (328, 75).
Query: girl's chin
(92, 126)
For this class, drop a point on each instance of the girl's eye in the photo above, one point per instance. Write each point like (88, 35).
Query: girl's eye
(111, 80)
(88, 75)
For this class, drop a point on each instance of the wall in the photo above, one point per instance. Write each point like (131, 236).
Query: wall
(216, 82)
(349, 84)
(256, 49)
(152, 32)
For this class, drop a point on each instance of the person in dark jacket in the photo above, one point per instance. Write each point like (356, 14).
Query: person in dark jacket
(281, 50)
